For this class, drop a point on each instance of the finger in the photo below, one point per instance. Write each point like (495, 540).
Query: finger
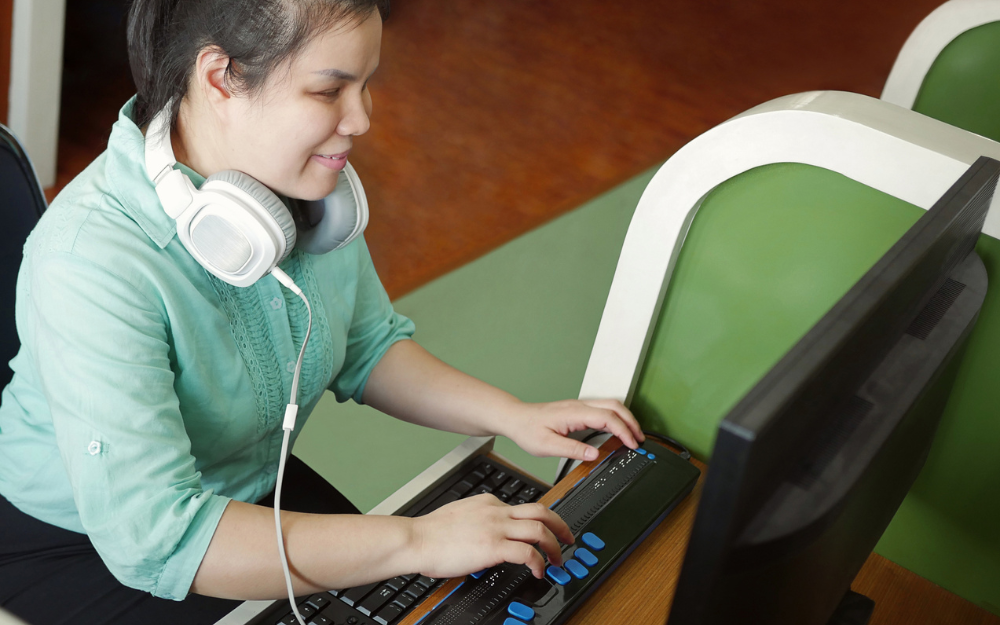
(621, 412)
(536, 533)
(555, 444)
(517, 552)
(608, 421)
(539, 512)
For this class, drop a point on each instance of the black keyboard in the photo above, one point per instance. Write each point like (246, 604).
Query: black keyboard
(388, 601)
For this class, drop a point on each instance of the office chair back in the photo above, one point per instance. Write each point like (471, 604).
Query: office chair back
(23, 202)
(949, 68)
(768, 254)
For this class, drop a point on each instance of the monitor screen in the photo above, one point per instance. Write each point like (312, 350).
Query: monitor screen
(810, 466)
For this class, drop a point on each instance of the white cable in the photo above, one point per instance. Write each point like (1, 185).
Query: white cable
(291, 411)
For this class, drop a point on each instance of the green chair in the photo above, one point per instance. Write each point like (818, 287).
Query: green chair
(949, 68)
(745, 238)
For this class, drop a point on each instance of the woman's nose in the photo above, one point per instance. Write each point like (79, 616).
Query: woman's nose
(355, 121)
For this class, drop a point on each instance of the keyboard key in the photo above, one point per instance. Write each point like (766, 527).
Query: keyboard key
(388, 614)
(520, 611)
(528, 493)
(356, 594)
(497, 479)
(289, 619)
(408, 576)
(427, 581)
(306, 611)
(442, 501)
(319, 601)
(558, 575)
(376, 600)
(592, 541)
(487, 468)
(404, 600)
(512, 486)
(518, 501)
(462, 487)
(320, 620)
(479, 574)
(585, 556)
(416, 590)
(397, 583)
(475, 477)
(578, 570)
(502, 496)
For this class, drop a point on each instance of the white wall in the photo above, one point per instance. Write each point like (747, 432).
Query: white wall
(35, 77)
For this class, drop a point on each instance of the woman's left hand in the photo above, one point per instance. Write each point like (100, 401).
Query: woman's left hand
(542, 429)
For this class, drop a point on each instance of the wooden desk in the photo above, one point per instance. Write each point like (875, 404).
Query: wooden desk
(641, 590)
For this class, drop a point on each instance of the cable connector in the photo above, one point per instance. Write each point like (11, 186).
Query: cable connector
(284, 278)
(291, 411)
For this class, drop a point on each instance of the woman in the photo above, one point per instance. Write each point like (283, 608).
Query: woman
(144, 417)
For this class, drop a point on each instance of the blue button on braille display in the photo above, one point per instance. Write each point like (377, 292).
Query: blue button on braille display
(558, 575)
(592, 541)
(479, 574)
(641, 451)
(578, 570)
(513, 621)
(521, 611)
(585, 556)
(652, 457)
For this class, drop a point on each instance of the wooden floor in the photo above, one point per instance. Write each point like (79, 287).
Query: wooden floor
(494, 117)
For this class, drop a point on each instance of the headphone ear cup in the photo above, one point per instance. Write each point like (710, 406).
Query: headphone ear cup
(267, 200)
(343, 216)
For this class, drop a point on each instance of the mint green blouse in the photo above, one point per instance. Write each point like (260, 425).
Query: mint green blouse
(147, 393)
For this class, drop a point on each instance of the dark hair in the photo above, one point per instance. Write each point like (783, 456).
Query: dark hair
(165, 37)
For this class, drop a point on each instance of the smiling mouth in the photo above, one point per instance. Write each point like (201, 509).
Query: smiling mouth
(335, 157)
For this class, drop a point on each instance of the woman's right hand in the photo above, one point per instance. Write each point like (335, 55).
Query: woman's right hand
(479, 532)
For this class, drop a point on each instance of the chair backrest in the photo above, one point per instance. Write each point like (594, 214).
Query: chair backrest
(745, 238)
(949, 68)
(23, 203)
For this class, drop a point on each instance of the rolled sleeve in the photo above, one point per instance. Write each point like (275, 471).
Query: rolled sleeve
(375, 327)
(104, 361)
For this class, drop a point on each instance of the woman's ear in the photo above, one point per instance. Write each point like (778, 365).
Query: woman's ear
(210, 75)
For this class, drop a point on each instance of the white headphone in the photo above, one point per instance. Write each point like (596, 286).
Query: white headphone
(236, 227)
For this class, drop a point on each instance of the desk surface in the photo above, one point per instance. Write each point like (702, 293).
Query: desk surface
(643, 586)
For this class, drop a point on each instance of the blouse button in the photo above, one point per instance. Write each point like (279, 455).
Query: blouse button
(94, 448)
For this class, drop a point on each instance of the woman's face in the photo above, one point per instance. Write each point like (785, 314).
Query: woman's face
(296, 134)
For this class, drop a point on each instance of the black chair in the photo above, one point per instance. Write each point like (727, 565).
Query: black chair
(22, 203)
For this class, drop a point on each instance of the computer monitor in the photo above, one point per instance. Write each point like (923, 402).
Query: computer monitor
(811, 465)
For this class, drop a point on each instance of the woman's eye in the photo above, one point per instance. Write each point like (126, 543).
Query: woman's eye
(331, 94)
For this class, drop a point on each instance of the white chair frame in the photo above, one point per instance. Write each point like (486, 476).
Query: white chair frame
(928, 39)
(886, 147)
